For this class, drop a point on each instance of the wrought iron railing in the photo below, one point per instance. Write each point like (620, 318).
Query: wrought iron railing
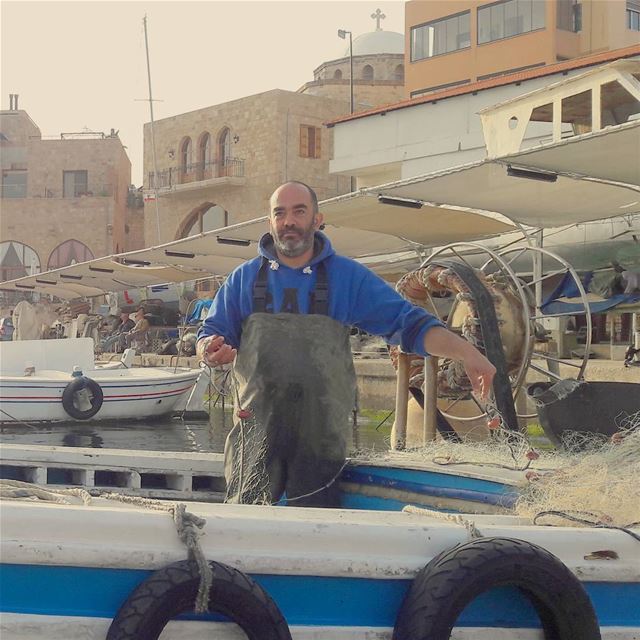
(196, 172)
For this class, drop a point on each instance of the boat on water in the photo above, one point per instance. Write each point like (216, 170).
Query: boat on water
(59, 380)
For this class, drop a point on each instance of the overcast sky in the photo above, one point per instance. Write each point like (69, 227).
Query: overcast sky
(82, 64)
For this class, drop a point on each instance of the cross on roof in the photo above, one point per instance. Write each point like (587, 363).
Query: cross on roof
(377, 16)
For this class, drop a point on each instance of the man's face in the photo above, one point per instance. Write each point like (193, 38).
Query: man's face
(124, 317)
(292, 221)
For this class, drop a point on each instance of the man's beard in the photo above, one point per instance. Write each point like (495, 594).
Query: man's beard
(294, 247)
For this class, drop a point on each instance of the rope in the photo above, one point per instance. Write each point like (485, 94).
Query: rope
(26, 424)
(188, 525)
(597, 523)
(469, 525)
(17, 490)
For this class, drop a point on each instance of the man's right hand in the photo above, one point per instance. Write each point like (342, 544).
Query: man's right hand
(215, 352)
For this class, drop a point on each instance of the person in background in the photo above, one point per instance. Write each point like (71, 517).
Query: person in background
(138, 336)
(117, 336)
(284, 320)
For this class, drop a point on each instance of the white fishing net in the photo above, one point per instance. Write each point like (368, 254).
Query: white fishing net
(591, 480)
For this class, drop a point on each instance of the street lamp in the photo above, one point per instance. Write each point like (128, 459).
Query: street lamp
(343, 34)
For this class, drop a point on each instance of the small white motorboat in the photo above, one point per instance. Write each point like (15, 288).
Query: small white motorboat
(59, 380)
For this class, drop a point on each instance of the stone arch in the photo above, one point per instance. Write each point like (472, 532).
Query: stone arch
(205, 217)
(224, 151)
(367, 73)
(17, 260)
(337, 74)
(186, 155)
(204, 149)
(398, 74)
(69, 252)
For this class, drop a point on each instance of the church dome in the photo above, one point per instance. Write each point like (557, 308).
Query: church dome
(377, 42)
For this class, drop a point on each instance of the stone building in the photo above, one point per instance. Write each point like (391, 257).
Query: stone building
(218, 165)
(378, 72)
(63, 200)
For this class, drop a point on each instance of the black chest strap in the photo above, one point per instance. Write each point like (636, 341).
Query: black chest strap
(319, 303)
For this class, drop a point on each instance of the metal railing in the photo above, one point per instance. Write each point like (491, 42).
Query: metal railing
(79, 191)
(196, 172)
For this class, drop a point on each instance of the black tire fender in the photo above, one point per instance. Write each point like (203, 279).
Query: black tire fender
(172, 590)
(454, 578)
(72, 388)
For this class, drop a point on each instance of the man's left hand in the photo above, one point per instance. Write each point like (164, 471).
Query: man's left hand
(480, 373)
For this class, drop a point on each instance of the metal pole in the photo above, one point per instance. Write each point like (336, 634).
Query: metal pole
(351, 68)
(153, 137)
(430, 399)
(399, 430)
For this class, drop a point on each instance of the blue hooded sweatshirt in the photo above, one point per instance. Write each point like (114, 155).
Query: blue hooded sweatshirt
(357, 297)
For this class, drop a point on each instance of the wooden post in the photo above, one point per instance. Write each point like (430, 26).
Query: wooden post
(430, 399)
(399, 430)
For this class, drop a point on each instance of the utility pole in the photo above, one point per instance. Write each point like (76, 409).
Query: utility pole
(153, 137)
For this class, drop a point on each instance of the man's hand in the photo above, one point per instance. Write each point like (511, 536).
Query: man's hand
(215, 352)
(480, 373)
(441, 342)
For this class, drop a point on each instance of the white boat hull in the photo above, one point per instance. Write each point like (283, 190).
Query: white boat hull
(128, 393)
(335, 574)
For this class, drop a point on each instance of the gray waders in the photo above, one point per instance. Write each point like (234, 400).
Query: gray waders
(295, 373)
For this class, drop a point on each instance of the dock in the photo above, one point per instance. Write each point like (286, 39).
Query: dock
(168, 475)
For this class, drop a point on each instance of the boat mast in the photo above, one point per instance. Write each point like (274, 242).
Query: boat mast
(153, 137)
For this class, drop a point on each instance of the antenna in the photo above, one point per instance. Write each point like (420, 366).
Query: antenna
(153, 137)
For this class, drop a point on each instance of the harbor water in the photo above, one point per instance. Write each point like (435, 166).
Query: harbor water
(171, 434)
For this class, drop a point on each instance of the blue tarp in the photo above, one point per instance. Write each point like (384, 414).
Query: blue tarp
(567, 288)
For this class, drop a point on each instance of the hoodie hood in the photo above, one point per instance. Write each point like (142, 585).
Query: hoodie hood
(322, 248)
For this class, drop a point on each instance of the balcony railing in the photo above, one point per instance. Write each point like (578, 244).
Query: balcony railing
(168, 178)
(80, 191)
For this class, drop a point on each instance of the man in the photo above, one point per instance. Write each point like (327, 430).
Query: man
(284, 318)
(116, 338)
(138, 336)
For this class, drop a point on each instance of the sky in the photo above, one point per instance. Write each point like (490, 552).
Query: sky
(81, 65)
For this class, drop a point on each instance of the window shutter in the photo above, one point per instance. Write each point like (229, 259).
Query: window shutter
(318, 137)
(304, 141)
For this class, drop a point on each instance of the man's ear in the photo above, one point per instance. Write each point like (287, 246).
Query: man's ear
(318, 219)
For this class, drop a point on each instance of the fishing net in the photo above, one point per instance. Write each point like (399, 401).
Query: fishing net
(591, 480)
(597, 484)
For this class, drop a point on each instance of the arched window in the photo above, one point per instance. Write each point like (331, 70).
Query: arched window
(69, 252)
(17, 260)
(204, 156)
(224, 152)
(206, 217)
(367, 72)
(398, 75)
(337, 74)
(186, 160)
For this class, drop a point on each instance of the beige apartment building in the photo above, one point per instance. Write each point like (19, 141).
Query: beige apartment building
(64, 200)
(455, 42)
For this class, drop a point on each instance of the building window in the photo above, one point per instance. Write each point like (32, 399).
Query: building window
(440, 36)
(337, 75)
(224, 152)
(14, 184)
(398, 74)
(569, 15)
(185, 155)
(75, 183)
(633, 16)
(310, 141)
(367, 73)
(17, 260)
(204, 149)
(509, 18)
(69, 252)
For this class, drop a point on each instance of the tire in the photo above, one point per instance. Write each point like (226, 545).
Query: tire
(172, 591)
(72, 388)
(453, 579)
